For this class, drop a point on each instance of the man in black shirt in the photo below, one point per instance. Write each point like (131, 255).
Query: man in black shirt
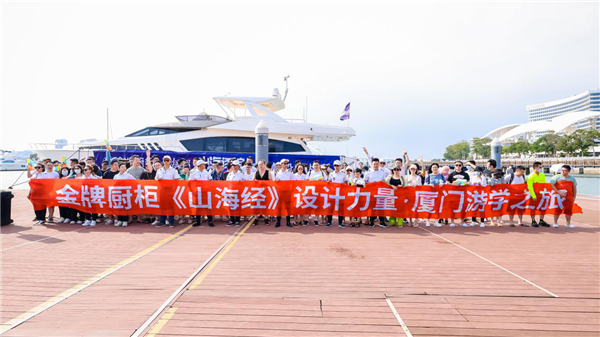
(114, 170)
(458, 173)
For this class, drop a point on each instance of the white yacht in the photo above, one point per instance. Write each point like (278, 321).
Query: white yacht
(211, 133)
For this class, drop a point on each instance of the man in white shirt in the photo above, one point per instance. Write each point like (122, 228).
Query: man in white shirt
(382, 167)
(167, 173)
(202, 174)
(516, 178)
(234, 175)
(373, 176)
(316, 175)
(339, 177)
(284, 175)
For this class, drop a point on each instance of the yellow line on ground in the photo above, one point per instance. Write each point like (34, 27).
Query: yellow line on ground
(162, 321)
(216, 260)
(70, 292)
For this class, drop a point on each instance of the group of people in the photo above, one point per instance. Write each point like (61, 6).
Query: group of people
(402, 173)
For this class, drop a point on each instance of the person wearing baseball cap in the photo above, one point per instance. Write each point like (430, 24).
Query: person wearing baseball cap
(167, 173)
(234, 175)
(284, 175)
(201, 174)
(338, 177)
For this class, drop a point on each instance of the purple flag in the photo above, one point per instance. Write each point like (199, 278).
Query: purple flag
(346, 114)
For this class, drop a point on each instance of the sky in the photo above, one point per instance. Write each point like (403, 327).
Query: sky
(420, 76)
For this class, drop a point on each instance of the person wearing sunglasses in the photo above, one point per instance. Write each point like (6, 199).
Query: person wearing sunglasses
(458, 177)
(167, 173)
(90, 218)
(340, 177)
(40, 215)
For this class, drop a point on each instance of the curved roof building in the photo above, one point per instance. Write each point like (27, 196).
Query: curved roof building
(580, 111)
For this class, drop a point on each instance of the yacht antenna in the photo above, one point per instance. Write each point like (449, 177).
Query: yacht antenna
(285, 79)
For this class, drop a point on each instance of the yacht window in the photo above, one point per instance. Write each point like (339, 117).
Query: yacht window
(237, 144)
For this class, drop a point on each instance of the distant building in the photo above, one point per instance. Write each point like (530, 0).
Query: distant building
(580, 111)
(586, 101)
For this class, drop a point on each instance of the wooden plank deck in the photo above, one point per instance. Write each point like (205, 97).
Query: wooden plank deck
(306, 281)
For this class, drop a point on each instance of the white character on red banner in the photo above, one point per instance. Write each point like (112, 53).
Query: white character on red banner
(119, 197)
(385, 199)
(425, 201)
(253, 198)
(200, 204)
(97, 195)
(306, 200)
(228, 198)
(476, 201)
(550, 200)
(498, 199)
(357, 196)
(68, 195)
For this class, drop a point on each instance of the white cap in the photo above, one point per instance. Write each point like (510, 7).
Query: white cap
(337, 162)
(235, 163)
(200, 162)
(413, 166)
(167, 157)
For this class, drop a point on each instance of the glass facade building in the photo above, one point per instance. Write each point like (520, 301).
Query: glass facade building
(589, 100)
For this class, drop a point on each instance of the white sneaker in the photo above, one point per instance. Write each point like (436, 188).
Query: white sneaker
(87, 223)
(555, 226)
(61, 220)
(118, 223)
(155, 223)
(482, 225)
(38, 223)
(180, 221)
(571, 226)
(167, 222)
(79, 222)
(189, 221)
(427, 224)
(464, 224)
(109, 222)
(72, 222)
(415, 224)
(437, 224)
(452, 225)
(124, 224)
(474, 223)
(67, 220)
(93, 223)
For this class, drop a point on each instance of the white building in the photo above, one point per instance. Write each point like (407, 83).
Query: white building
(580, 111)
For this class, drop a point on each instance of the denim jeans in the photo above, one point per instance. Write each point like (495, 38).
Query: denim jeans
(163, 219)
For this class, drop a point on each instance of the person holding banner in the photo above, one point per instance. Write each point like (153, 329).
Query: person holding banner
(90, 218)
(202, 174)
(396, 180)
(248, 173)
(564, 175)
(284, 175)
(536, 177)
(337, 176)
(458, 177)
(300, 175)
(374, 176)
(234, 175)
(316, 175)
(262, 173)
(434, 178)
(122, 175)
(516, 178)
(40, 215)
(65, 212)
(167, 173)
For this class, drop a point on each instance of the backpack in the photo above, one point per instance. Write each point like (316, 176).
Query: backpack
(512, 177)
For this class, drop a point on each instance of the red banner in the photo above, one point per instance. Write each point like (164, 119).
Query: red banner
(181, 197)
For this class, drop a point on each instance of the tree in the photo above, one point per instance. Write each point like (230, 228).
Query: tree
(481, 147)
(569, 144)
(521, 147)
(457, 151)
(589, 138)
(547, 143)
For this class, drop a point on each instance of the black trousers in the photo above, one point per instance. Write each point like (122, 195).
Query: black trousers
(330, 219)
(381, 219)
(234, 219)
(90, 216)
(65, 212)
(122, 217)
(199, 219)
(288, 219)
(40, 215)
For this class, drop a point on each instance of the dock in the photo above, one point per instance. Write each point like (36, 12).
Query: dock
(68, 280)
